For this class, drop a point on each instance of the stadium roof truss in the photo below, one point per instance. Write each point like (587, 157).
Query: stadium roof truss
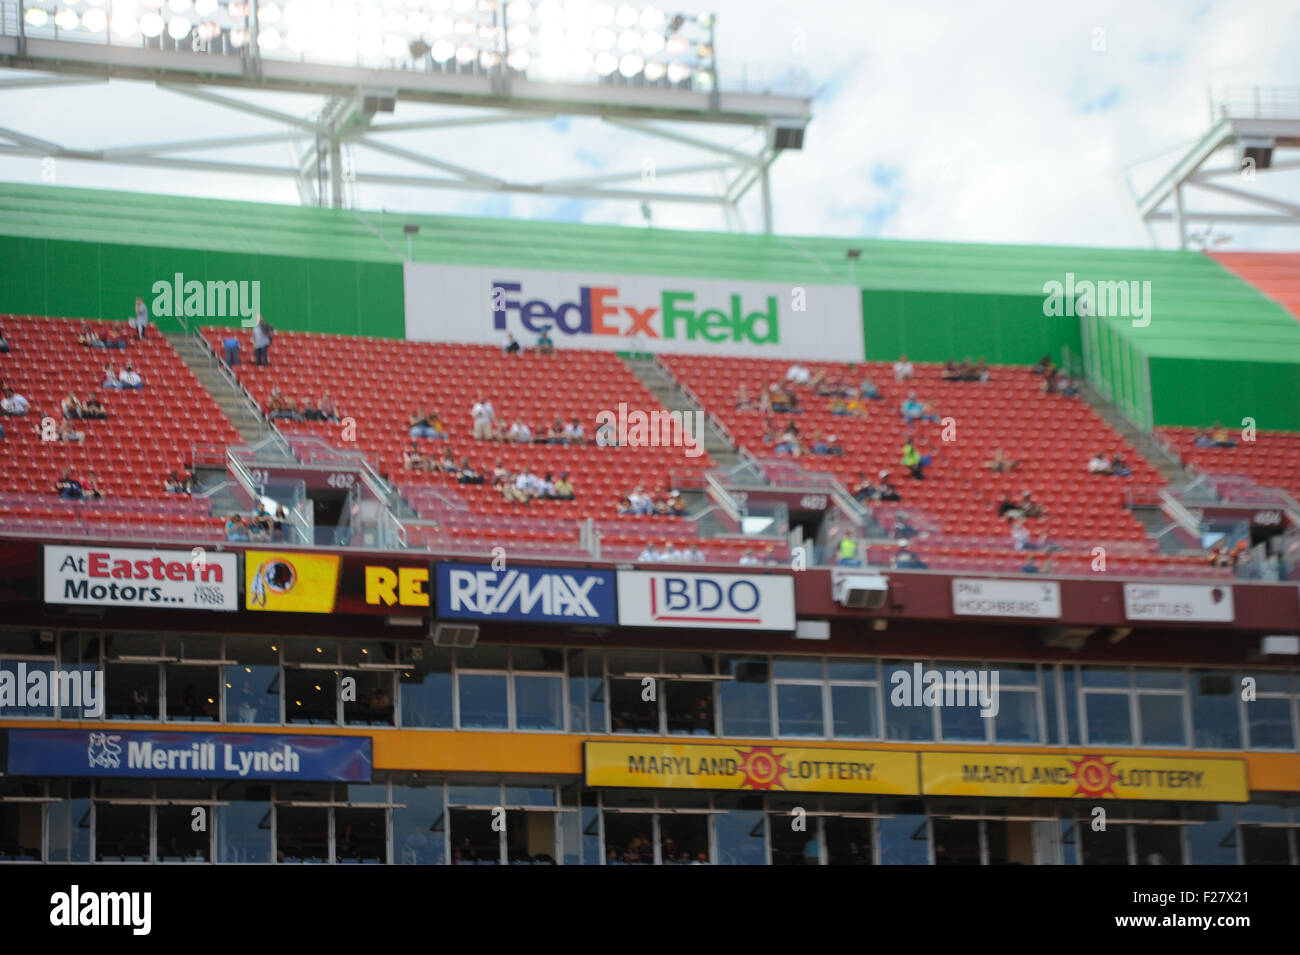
(327, 148)
(1254, 131)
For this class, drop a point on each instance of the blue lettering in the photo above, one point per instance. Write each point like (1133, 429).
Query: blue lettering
(753, 590)
(534, 310)
(700, 598)
(499, 314)
(675, 594)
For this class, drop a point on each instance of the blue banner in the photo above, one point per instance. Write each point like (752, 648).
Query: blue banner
(141, 755)
(532, 594)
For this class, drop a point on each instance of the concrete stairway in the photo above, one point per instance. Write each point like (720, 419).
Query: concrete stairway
(674, 399)
(1169, 467)
(241, 412)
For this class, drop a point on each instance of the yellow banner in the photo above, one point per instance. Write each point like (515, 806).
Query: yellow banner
(1084, 777)
(760, 768)
(285, 581)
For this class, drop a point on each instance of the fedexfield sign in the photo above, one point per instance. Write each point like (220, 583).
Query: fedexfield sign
(633, 312)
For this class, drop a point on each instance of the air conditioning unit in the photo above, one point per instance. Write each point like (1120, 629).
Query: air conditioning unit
(860, 591)
(1280, 644)
(455, 634)
(787, 134)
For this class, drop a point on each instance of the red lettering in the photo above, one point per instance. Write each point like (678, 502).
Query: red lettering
(97, 565)
(641, 321)
(141, 569)
(157, 566)
(122, 568)
(175, 570)
(599, 311)
(213, 571)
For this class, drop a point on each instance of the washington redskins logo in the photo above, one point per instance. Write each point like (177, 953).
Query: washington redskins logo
(762, 768)
(1093, 776)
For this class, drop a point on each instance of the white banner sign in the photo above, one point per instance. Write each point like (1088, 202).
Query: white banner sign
(1006, 598)
(476, 305)
(705, 601)
(128, 577)
(1190, 602)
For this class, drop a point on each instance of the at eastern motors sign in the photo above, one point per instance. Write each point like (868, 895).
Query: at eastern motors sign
(131, 755)
(1084, 776)
(1188, 603)
(633, 312)
(525, 594)
(129, 577)
(1006, 598)
(705, 601)
(767, 768)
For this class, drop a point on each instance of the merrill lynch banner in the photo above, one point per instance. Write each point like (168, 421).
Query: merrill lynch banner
(633, 312)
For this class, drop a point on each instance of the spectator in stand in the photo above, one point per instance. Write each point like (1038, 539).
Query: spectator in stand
(903, 370)
(89, 337)
(544, 344)
(574, 433)
(130, 378)
(467, 474)
(1020, 535)
(1007, 508)
(906, 559)
(885, 490)
(71, 406)
(648, 554)
(4, 343)
(230, 345)
(670, 554)
(326, 408)
(693, 555)
(847, 551)
(869, 389)
(747, 559)
(1119, 467)
(174, 484)
(421, 424)
(262, 335)
(439, 429)
(520, 433)
(93, 409)
(1098, 464)
(510, 346)
(110, 379)
(307, 410)
(236, 528)
(69, 488)
(981, 371)
(743, 401)
(789, 441)
(91, 487)
(141, 317)
(528, 484)
(1000, 463)
(564, 488)
(676, 504)
(902, 529)
(261, 523)
(500, 474)
(1218, 437)
(798, 374)
(1029, 507)
(954, 372)
(1031, 564)
(1066, 387)
(555, 433)
(14, 403)
(483, 415)
(1042, 365)
(839, 406)
(914, 461)
(68, 433)
(864, 490)
(414, 460)
(911, 408)
(289, 410)
(641, 502)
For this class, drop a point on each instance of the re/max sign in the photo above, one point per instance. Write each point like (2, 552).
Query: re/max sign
(397, 586)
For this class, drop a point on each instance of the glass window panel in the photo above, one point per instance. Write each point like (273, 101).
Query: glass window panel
(962, 723)
(425, 686)
(1159, 679)
(853, 712)
(799, 710)
(1269, 719)
(193, 692)
(68, 822)
(311, 651)
(624, 661)
(1016, 674)
(1268, 681)
(185, 646)
(853, 670)
(539, 702)
(473, 796)
(1017, 717)
(537, 659)
(1216, 720)
(311, 696)
(1070, 697)
(176, 839)
(1052, 730)
(797, 668)
(357, 652)
(902, 720)
(1113, 677)
(132, 690)
(530, 795)
(1108, 718)
(483, 701)
(483, 658)
(691, 663)
(1214, 842)
(1162, 720)
(745, 700)
(32, 687)
(740, 832)
(252, 693)
(904, 839)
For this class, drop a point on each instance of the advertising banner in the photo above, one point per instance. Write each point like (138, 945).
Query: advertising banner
(526, 594)
(454, 303)
(139, 755)
(131, 577)
(1188, 603)
(653, 598)
(1185, 779)
(771, 768)
(1006, 598)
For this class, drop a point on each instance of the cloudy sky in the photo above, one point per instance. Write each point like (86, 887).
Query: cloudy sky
(987, 122)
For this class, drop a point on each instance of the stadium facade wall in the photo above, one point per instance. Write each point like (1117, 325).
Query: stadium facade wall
(938, 326)
(101, 280)
(1198, 393)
